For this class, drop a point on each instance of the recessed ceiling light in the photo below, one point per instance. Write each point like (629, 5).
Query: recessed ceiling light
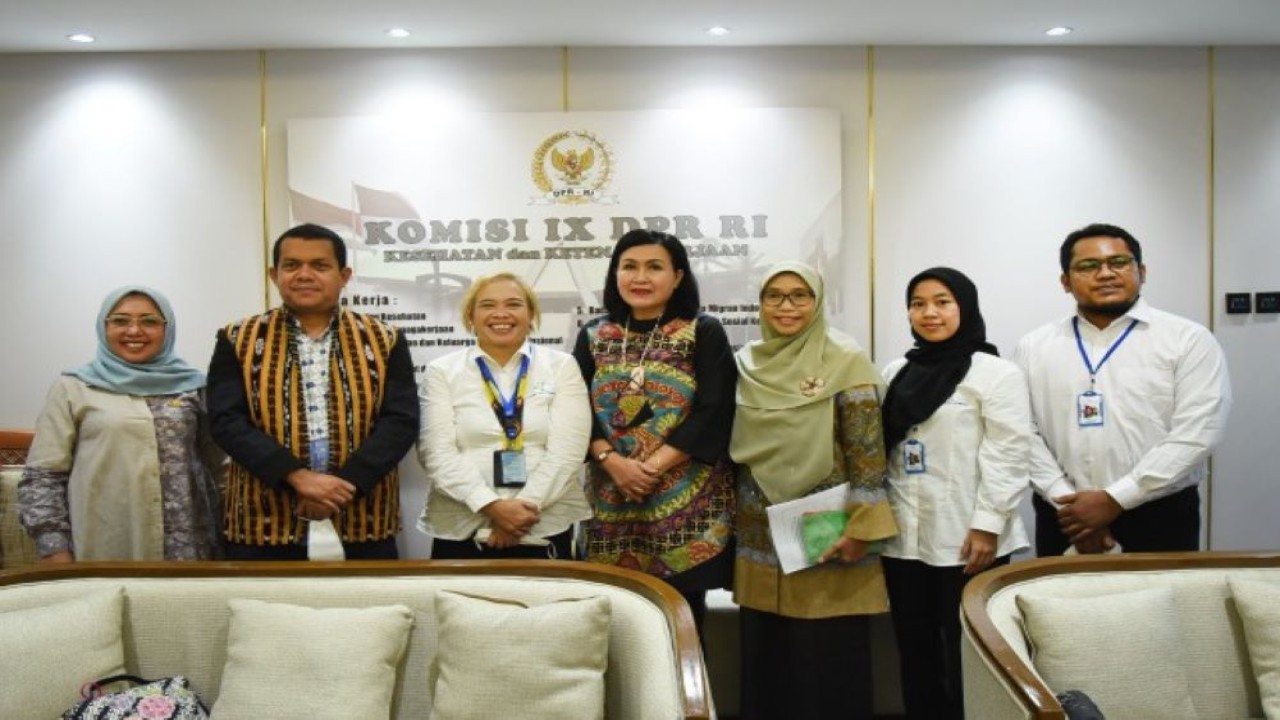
(81, 38)
(718, 31)
(398, 33)
(1059, 31)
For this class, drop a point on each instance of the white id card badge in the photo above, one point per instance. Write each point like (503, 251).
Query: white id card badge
(913, 457)
(508, 468)
(1089, 409)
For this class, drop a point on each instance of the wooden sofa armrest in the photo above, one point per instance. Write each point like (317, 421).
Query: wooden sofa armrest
(14, 445)
(691, 674)
(1034, 696)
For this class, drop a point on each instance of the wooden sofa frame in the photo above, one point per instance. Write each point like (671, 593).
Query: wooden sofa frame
(14, 445)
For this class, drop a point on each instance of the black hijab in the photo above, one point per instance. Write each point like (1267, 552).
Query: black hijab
(934, 369)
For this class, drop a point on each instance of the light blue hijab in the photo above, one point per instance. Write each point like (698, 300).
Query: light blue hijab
(164, 374)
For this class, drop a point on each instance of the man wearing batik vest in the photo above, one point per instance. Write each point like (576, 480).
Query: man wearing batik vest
(316, 406)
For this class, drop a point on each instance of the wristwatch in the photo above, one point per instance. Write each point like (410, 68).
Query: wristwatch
(600, 456)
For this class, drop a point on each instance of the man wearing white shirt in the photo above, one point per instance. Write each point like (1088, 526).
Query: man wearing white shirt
(1129, 401)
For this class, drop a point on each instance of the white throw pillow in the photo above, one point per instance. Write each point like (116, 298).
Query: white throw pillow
(1259, 606)
(1122, 650)
(500, 658)
(48, 653)
(286, 661)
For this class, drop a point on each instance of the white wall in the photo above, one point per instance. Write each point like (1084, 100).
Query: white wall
(987, 158)
(1247, 259)
(123, 168)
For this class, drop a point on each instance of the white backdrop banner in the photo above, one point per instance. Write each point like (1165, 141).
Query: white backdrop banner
(428, 204)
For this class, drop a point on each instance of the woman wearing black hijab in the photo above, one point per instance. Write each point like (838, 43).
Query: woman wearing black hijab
(957, 426)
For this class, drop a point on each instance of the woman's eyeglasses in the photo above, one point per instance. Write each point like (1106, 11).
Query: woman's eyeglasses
(798, 298)
(146, 322)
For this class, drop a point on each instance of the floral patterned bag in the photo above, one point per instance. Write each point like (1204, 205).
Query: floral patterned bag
(164, 699)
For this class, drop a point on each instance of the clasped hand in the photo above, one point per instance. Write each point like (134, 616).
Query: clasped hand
(510, 519)
(1085, 513)
(319, 495)
(634, 479)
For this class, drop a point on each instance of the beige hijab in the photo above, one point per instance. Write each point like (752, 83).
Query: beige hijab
(784, 426)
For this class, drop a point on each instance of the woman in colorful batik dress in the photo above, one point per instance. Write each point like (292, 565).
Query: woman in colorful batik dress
(661, 377)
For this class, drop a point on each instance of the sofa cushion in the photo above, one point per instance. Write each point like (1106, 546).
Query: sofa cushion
(17, 549)
(1124, 650)
(1259, 606)
(496, 655)
(286, 661)
(48, 653)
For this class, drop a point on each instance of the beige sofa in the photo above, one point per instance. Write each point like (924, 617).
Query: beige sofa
(16, 548)
(1145, 632)
(176, 617)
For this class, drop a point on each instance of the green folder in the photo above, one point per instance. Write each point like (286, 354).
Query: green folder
(820, 530)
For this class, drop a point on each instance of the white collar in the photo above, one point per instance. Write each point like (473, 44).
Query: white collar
(526, 349)
(1140, 311)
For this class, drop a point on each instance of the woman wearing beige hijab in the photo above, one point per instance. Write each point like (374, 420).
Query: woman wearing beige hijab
(808, 419)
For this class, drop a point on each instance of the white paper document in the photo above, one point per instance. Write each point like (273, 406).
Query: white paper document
(785, 524)
(323, 542)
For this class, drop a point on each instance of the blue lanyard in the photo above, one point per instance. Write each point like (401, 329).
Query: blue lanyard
(508, 404)
(1093, 371)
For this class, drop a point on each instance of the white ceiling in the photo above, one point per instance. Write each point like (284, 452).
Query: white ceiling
(42, 25)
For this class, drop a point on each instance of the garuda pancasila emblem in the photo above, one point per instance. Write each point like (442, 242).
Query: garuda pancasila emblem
(572, 164)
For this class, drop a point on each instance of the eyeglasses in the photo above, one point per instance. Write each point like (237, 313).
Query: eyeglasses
(798, 298)
(1118, 263)
(146, 322)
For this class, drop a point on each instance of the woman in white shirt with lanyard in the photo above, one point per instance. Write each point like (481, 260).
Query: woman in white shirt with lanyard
(505, 426)
(957, 428)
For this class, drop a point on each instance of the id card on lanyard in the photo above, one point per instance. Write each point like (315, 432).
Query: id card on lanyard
(1089, 405)
(913, 461)
(508, 463)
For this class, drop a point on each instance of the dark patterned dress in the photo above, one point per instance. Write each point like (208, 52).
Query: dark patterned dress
(686, 400)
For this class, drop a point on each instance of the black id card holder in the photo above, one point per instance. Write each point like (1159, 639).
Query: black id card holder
(508, 469)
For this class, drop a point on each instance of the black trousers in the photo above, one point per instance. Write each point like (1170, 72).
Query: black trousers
(925, 601)
(794, 668)
(1169, 524)
(373, 550)
(561, 547)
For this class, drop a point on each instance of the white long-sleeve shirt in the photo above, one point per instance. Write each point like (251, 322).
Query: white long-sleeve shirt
(1165, 393)
(977, 447)
(460, 433)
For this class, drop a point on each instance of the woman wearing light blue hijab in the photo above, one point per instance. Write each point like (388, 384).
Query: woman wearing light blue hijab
(121, 467)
